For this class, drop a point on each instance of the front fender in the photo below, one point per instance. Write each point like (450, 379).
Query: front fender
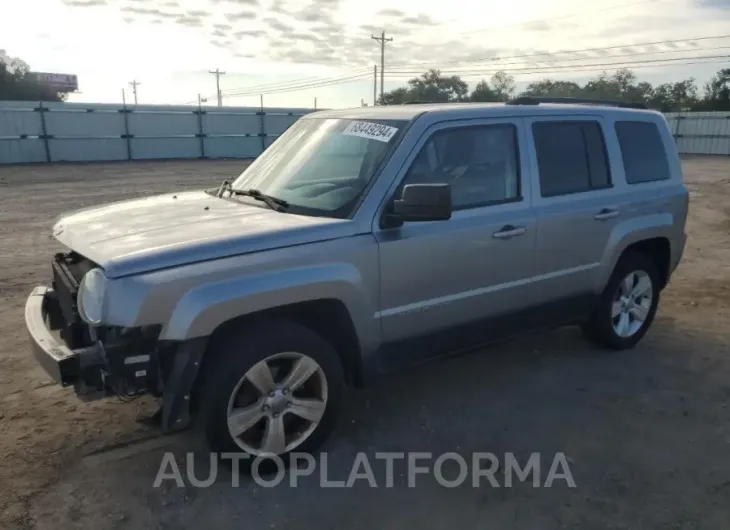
(629, 232)
(202, 309)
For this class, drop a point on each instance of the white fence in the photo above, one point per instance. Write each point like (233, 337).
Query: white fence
(74, 132)
(702, 133)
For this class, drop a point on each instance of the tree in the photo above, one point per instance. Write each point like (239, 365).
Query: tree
(394, 97)
(504, 85)
(623, 85)
(554, 88)
(428, 87)
(17, 85)
(717, 91)
(500, 88)
(672, 97)
(483, 92)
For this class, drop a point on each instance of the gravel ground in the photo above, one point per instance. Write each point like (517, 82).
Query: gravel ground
(646, 432)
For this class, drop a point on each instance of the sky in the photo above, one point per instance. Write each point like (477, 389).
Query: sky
(284, 48)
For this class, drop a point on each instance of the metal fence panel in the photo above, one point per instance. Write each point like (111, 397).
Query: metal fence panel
(20, 120)
(162, 148)
(153, 123)
(233, 147)
(706, 133)
(20, 133)
(234, 121)
(276, 121)
(51, 132)
(83, 123)
(72, 149)
(231, 132)
(79, 132)
(16, 151)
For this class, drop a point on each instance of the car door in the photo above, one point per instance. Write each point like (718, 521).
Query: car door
(575, 202)
(441, 276)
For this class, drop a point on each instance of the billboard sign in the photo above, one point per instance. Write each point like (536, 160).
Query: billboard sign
(58, 82)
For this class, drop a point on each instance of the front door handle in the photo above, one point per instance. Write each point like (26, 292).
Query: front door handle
(509, 231)
(606, 213)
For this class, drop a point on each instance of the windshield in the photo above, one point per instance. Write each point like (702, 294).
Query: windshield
(322, 166)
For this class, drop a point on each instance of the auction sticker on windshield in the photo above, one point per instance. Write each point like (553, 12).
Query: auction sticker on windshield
(372, 131)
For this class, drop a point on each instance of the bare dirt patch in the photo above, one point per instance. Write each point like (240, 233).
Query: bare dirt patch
(647, 431)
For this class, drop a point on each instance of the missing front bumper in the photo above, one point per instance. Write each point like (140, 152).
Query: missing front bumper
(95, 370)
(64, 365)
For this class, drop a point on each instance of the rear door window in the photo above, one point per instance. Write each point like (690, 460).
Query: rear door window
(571, 157)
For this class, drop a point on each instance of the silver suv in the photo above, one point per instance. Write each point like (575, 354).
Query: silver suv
(361, 241)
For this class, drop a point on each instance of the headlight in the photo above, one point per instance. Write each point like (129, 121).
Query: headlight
(91, 296)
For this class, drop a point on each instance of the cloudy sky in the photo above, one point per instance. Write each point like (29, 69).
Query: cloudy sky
(272, 46)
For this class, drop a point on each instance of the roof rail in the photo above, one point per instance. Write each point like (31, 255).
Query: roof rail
(536, 100)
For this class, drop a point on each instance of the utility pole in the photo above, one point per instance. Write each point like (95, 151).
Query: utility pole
(201, 100)
(382, 40)
(217, 73)
(375, 85)
(134, 84)
(315, 103)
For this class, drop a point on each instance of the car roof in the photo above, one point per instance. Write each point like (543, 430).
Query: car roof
(450, 111)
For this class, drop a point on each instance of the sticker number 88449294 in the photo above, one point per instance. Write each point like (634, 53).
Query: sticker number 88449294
(372, 131)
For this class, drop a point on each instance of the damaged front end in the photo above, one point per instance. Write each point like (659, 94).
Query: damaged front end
(101, 361)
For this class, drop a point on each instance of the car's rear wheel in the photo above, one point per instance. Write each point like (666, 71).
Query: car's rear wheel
(271, 391)
(627, 306)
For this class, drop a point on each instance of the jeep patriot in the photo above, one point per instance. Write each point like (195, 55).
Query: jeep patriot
(362, 241)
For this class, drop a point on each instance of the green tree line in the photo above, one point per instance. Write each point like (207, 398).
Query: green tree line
(433, 86)
(17, 85)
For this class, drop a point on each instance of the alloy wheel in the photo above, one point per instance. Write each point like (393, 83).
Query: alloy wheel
(277, 404)
(632, 303)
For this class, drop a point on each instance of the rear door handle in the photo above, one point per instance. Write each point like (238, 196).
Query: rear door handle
(509, 231)
(606, 213)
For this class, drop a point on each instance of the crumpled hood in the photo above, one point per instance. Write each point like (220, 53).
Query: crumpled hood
(162, 231)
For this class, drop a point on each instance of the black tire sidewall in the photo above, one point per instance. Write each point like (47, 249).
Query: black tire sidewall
(237, 353)
(601, 324)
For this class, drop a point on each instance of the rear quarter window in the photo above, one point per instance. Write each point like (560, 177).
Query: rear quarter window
(642, 150)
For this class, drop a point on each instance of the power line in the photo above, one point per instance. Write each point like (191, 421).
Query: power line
(218, 75)
(525, 70)
(315, 82)
(580, 50)
(286, 84)
(292, 88)
(382, 40)
(637, 54)
(272, 86)
(600, 66)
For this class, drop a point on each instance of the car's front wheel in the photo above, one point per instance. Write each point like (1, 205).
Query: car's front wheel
(627, 306)
(272, 390)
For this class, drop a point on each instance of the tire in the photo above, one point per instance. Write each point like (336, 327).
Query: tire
(229, 369)
(601, 326)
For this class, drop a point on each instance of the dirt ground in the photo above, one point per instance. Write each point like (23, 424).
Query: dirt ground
(647, 432)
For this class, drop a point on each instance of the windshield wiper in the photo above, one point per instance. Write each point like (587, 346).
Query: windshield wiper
(272, 202)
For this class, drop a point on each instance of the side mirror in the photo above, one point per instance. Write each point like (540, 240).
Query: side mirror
(423, 202)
